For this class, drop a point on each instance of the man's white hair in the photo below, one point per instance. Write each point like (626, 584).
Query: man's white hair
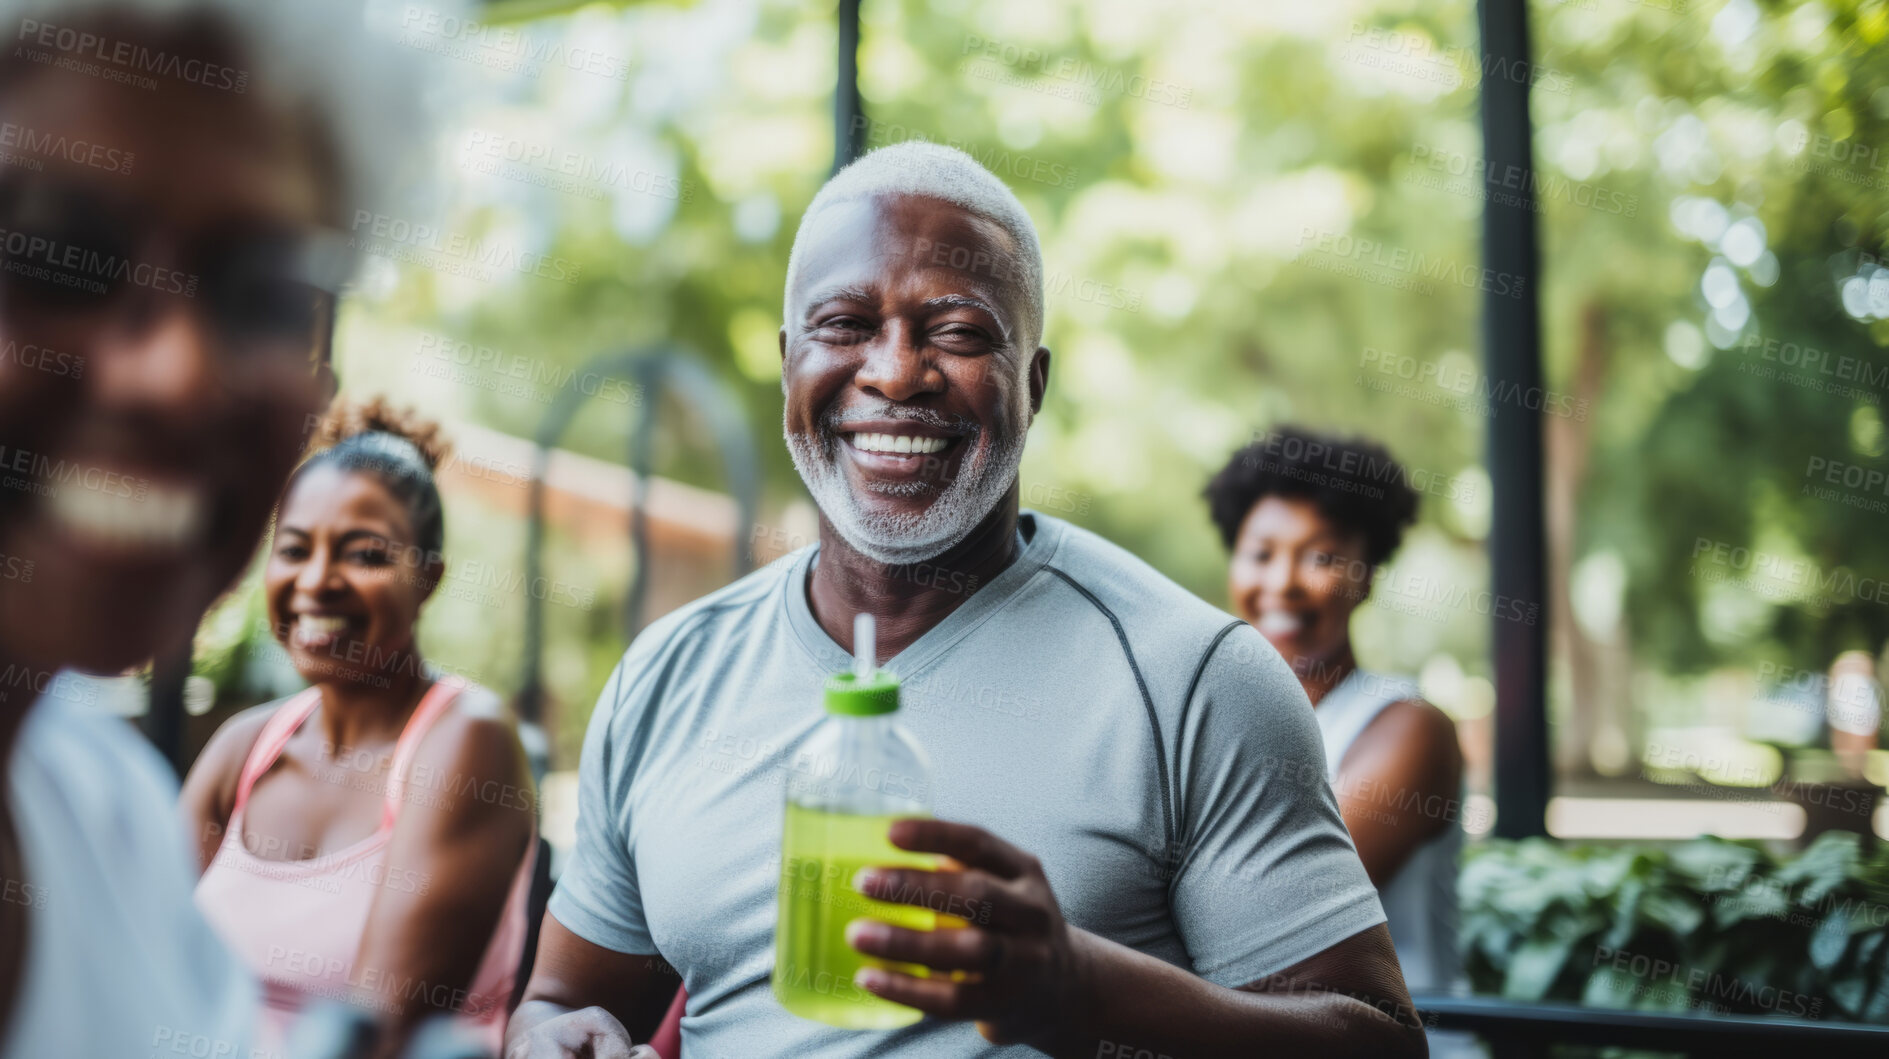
(932, 170)
(322, 56)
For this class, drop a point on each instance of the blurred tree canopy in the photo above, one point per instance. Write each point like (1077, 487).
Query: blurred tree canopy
(1253, 214)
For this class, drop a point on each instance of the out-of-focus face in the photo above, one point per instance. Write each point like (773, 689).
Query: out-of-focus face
(1296, 578)
(908, 388)
(155, 361)
(345, 580)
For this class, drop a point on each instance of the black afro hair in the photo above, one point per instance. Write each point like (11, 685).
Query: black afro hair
(1352, 481)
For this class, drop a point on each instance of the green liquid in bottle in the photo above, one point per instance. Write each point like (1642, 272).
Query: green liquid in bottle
(813, 965)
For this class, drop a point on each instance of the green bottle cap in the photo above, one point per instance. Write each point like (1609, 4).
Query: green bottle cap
(877, 694)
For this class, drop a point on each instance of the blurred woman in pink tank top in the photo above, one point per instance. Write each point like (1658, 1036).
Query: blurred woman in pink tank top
(369, 839)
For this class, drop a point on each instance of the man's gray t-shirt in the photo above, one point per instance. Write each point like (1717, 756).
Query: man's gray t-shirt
(1150, 750)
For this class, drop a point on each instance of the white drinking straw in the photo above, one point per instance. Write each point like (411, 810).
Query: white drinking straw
(865, 647)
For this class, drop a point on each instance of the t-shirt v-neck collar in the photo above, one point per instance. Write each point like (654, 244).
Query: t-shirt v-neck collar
(1037, 547)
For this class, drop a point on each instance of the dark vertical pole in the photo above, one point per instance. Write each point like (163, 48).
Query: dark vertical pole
(650, 379)
(164, 716)
(1511, 337)
(531, 692)
(849, 111)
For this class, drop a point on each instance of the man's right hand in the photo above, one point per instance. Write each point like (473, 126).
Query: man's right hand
(587, 1033)
(588, 1002)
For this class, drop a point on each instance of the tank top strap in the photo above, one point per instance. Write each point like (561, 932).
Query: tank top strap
(270, 741)
(1348, 709)
(437, 700)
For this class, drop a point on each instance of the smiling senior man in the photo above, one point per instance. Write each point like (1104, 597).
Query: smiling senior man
(1118, 767)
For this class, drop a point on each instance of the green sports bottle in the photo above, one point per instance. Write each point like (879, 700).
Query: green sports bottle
(859, 772)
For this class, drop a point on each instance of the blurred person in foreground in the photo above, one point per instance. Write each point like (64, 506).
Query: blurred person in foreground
(378, 826)
(1143, 874)
(1309, 520)
(173, 195)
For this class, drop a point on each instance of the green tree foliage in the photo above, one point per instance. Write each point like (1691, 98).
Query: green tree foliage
(1251, 214)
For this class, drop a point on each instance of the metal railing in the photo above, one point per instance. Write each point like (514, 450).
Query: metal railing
(1526, 1031)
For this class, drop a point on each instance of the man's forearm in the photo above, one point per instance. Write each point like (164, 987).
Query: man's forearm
(1134, 1004)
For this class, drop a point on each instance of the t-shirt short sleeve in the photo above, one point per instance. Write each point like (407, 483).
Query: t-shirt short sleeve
(1266, 874)
(598, 897)
(118, 961)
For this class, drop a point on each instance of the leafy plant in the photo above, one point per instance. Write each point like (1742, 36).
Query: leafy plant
(1709, 923)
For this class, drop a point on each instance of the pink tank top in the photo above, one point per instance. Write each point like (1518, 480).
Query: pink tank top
(298, 924)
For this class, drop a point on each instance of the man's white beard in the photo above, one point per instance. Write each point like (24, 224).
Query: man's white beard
(982, 480)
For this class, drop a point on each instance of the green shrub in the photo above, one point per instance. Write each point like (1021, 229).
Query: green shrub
(1708, 923)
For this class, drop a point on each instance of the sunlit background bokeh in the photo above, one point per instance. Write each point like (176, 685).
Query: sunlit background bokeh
(1252, 214)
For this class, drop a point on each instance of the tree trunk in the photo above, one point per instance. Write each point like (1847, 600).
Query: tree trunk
(1597, 673)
